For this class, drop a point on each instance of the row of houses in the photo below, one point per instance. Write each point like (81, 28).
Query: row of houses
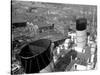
(33, 28)
(46, 28)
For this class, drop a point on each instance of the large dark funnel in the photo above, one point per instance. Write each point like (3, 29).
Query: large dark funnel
(81, 24)
(36, 55)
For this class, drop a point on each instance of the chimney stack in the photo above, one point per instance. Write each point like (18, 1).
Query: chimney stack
(81, 25)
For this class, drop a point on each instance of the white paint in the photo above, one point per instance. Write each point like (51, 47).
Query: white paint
(81, 33)
(93, 48)
(47, 69)
(89, 66)
(58, 50)
(81, 44)
(92, 58)
(60, 46)
(83, 51)
(81, 38)
(73, 35)
(54, 59)
(79, 49)
(66, 46)
(80, 67)
(66, 43)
